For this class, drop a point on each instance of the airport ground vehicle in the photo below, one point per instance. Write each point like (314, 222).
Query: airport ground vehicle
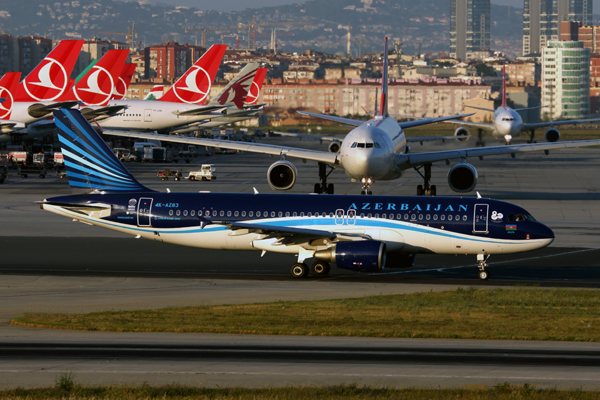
(164, 174)
(156, 154)
(124, 154)
(206, 173)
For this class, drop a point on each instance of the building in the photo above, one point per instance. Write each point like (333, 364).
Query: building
(32, 50)
(165, 61)
(565, 80)
(542, 20)
(469, 27)
(574, 31)
(523, 73)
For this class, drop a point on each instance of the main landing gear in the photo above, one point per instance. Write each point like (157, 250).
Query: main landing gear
(425, 189)
(323, 187)
(480, 141)
(366, 189)
(319, 268)
(531, 136)
(481, 261)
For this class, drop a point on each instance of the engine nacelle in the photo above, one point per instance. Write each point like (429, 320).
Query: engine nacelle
(462, 177)
(335, 146)
(368, 255)
(462, 134)
(552, 135)
(282, 175)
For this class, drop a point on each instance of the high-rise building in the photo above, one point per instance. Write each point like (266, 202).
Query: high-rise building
(542, 18)
(469, 27)
(566, 80)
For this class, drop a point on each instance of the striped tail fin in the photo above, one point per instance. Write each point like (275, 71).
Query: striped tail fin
(91, 165)
(384, 82)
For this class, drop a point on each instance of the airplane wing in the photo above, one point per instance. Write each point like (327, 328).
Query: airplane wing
(345, 121)
(199, 111)
(426, 121)
(338, 139)
(291, 236)
(307, 136)
(7, 126)
(480, 108)
(411, 160)
(305, 154)
(481, 125)
(432, 138)
(554, 123)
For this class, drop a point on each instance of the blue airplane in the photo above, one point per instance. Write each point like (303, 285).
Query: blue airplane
(358, 233)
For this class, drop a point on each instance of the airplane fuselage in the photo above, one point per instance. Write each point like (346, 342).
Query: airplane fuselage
(507, 123)
(441, 225)
(369, 150)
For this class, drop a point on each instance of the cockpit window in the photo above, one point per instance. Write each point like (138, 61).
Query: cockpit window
(377, 145)
(361, 145)
(369, 145)
(353, 145)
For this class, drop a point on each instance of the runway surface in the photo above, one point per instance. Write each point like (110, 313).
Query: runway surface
(51, 264)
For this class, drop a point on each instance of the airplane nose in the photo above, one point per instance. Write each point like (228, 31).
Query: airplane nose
(541, 231)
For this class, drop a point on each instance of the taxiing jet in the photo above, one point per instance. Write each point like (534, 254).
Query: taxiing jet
(374, 150)
(349, 231)
(508, 124)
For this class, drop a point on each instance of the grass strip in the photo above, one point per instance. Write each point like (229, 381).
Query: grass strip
(514, 314)
(342, 392)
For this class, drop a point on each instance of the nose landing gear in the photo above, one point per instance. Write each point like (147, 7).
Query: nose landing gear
(481, 261)
(366, 186)
(426, 189)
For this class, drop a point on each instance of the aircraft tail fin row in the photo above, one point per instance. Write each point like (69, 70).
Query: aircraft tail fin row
(91, 165)
(236, 91)
(123, 82)
(8, 85)
(254, 91)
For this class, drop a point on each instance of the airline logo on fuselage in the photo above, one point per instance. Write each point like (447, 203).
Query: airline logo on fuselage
(100, 88)
(6, 105)
(194, 87)
(407, 207)
(53, 81)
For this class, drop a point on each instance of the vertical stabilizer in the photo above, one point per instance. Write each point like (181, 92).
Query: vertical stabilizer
(8, 86)
(503, 86)
(123, 81)
(91, 165)
(237, 90)
(194, 86)
(257, 84)
(50, 79)
(384, 82)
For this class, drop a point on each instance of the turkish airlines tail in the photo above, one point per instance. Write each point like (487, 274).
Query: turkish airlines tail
(124, 81)
(194, 86)
(96, 87)
(236, 91)
(8, 86)
(503, 87)
(257, 84)
(384, 82)
(50, 79)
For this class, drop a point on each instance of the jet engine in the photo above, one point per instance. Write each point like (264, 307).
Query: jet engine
(335, 146)
(368, 255)
(462, 177)
(282, 175)
(552, 135)
(462, 134)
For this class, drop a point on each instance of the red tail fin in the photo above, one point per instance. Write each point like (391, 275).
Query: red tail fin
(194, 86)
(8, 86)
(50, 79)
(123, 81)
(503, 87)
(384, 81)
(254, 92)
(96, 87)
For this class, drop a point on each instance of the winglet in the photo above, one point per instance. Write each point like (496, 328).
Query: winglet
(384, 81)
(255, 191)
(478, 195)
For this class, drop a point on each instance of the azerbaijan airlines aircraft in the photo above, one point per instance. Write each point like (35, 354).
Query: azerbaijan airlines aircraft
(375, 150)
(356, 233)
(508, 124)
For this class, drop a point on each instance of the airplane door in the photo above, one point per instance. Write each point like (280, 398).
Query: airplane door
(480, 218)
(339, 217)
(351, 217)
(144, 211)
(147, 115)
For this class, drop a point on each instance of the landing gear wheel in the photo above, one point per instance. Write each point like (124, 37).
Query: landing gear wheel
(362, 192)
(323, 187)
(320, 268)
(369, 192)
(420, 190)
(317, 188)
(177, 179)
(330, 188)
(299, 270)
(425, 189)
(433, 190)
(484, 275)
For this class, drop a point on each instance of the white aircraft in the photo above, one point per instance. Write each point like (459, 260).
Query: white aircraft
(508, 124)
(375, 150)
(183, 103)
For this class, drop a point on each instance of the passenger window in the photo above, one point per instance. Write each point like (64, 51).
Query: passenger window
(399, 216)
(413, 217)
(420, 217)
(383, 215)
(435, 217)
(391, 216)
(377, 215)
(330, 215)
(287, 213)
(272, 214)
(302, 214)
(369, 145)
(235, 214)
(207, 213)
(171, 213)
(185, 213)
(361, 145)
(406, 217)
(309, 215)
(243, 213)
(178, 213)
(214, 213)
(221, 213)
(258, 213)
(295, 214)
(362, 215)
(280, 214)
(192, 213)
(353, 145)
(250, 213)
(464, 217)
(428, 217)
(442, 217)
(369, 215)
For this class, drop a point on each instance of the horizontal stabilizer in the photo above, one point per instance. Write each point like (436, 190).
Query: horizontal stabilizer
(38, 110)
(200, 110)
(345, 121)
(419, 122)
